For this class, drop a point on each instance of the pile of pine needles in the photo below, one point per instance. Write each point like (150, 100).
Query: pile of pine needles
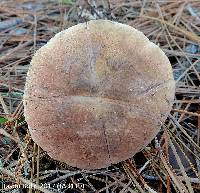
(171, 163)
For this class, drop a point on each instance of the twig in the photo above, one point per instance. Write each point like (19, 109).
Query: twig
(186, 112)
(5, 108)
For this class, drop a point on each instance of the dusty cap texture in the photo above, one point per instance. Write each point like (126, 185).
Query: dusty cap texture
(97, 93)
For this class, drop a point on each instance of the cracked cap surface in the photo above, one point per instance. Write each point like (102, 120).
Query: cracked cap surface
(97, 93)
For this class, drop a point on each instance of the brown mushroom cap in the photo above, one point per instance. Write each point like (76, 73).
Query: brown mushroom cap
(97, 93)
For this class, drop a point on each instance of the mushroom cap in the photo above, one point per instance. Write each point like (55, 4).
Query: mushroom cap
(97, 93)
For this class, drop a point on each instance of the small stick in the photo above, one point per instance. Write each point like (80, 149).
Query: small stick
(186, 112)
(5, 108)
(3, 132)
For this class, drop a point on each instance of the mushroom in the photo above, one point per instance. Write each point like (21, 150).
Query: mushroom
(97, 93)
